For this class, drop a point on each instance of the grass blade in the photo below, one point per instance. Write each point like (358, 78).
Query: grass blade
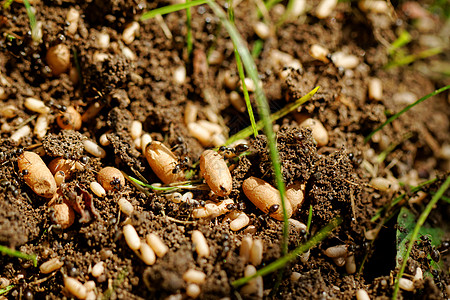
(399, 198)
(403, 39)
(419, 224)
(15, 253)
(6, 289)
(189, 42)
(246, 132)
(263, 109)
(281, 262)
(308, 224)
(6, 4)
(413, 57)
(242, 75)
(405, 110)
(171, 8)
(258, 46)
(32, 18)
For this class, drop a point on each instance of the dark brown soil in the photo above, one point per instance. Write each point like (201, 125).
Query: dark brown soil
(336, 176)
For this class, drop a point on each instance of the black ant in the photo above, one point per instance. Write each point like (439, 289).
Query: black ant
(273, 209)
(238, 206)
(428, 247)
(8, 155)
(61, 108)
(115, 183)
(6, 184)
(180, 145)
(183, 164)
(229, 152)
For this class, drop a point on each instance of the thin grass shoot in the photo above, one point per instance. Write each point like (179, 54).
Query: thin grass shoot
(395, 116)
(310, 213)
(15, 253)
(258, 46)
(422, 218)
(242, 74)
(399, 198)
(33, 24)
(189, 38)
(282, 261)
(7, 4)
(405, 60)
(246, 132)
(263, 109)
(170, 8)
(6, 289)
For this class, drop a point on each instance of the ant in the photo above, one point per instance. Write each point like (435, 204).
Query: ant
(61, 108)
(183, 164)
(115, 183)
(181, 145)
(237, 206)
(230, 152)
(435, 254)
(8, 155)
(6, 184)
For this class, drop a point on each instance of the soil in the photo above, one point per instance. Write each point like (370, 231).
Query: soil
(336, 176)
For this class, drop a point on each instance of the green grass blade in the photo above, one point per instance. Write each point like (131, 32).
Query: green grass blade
(245, 91)
(246, 132)
(189, 42)
(7, 4)
(242, 75)
(405, 60)
(171, 8)
(400, 198)
(258, 46)
(281, 262)
(308, 224)
(382, 156)
(263, 109)
(32, 18)
(403, 39)
(405, 110)
(15, 253)
(6, 289)
(419, 224)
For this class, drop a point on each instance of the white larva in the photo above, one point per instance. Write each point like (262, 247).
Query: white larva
(75, 287)
(256, 252)
(98, 269)
(240, 222)
(148, 255)
(194, 276)
(193, 290)
(131, 237)
(125, 206)
(157, 244)
(36, 105)
(51, 265)
(94, 149)
(201, 246)
(97, 189)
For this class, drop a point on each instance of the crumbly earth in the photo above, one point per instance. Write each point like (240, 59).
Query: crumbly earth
(143, 88)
